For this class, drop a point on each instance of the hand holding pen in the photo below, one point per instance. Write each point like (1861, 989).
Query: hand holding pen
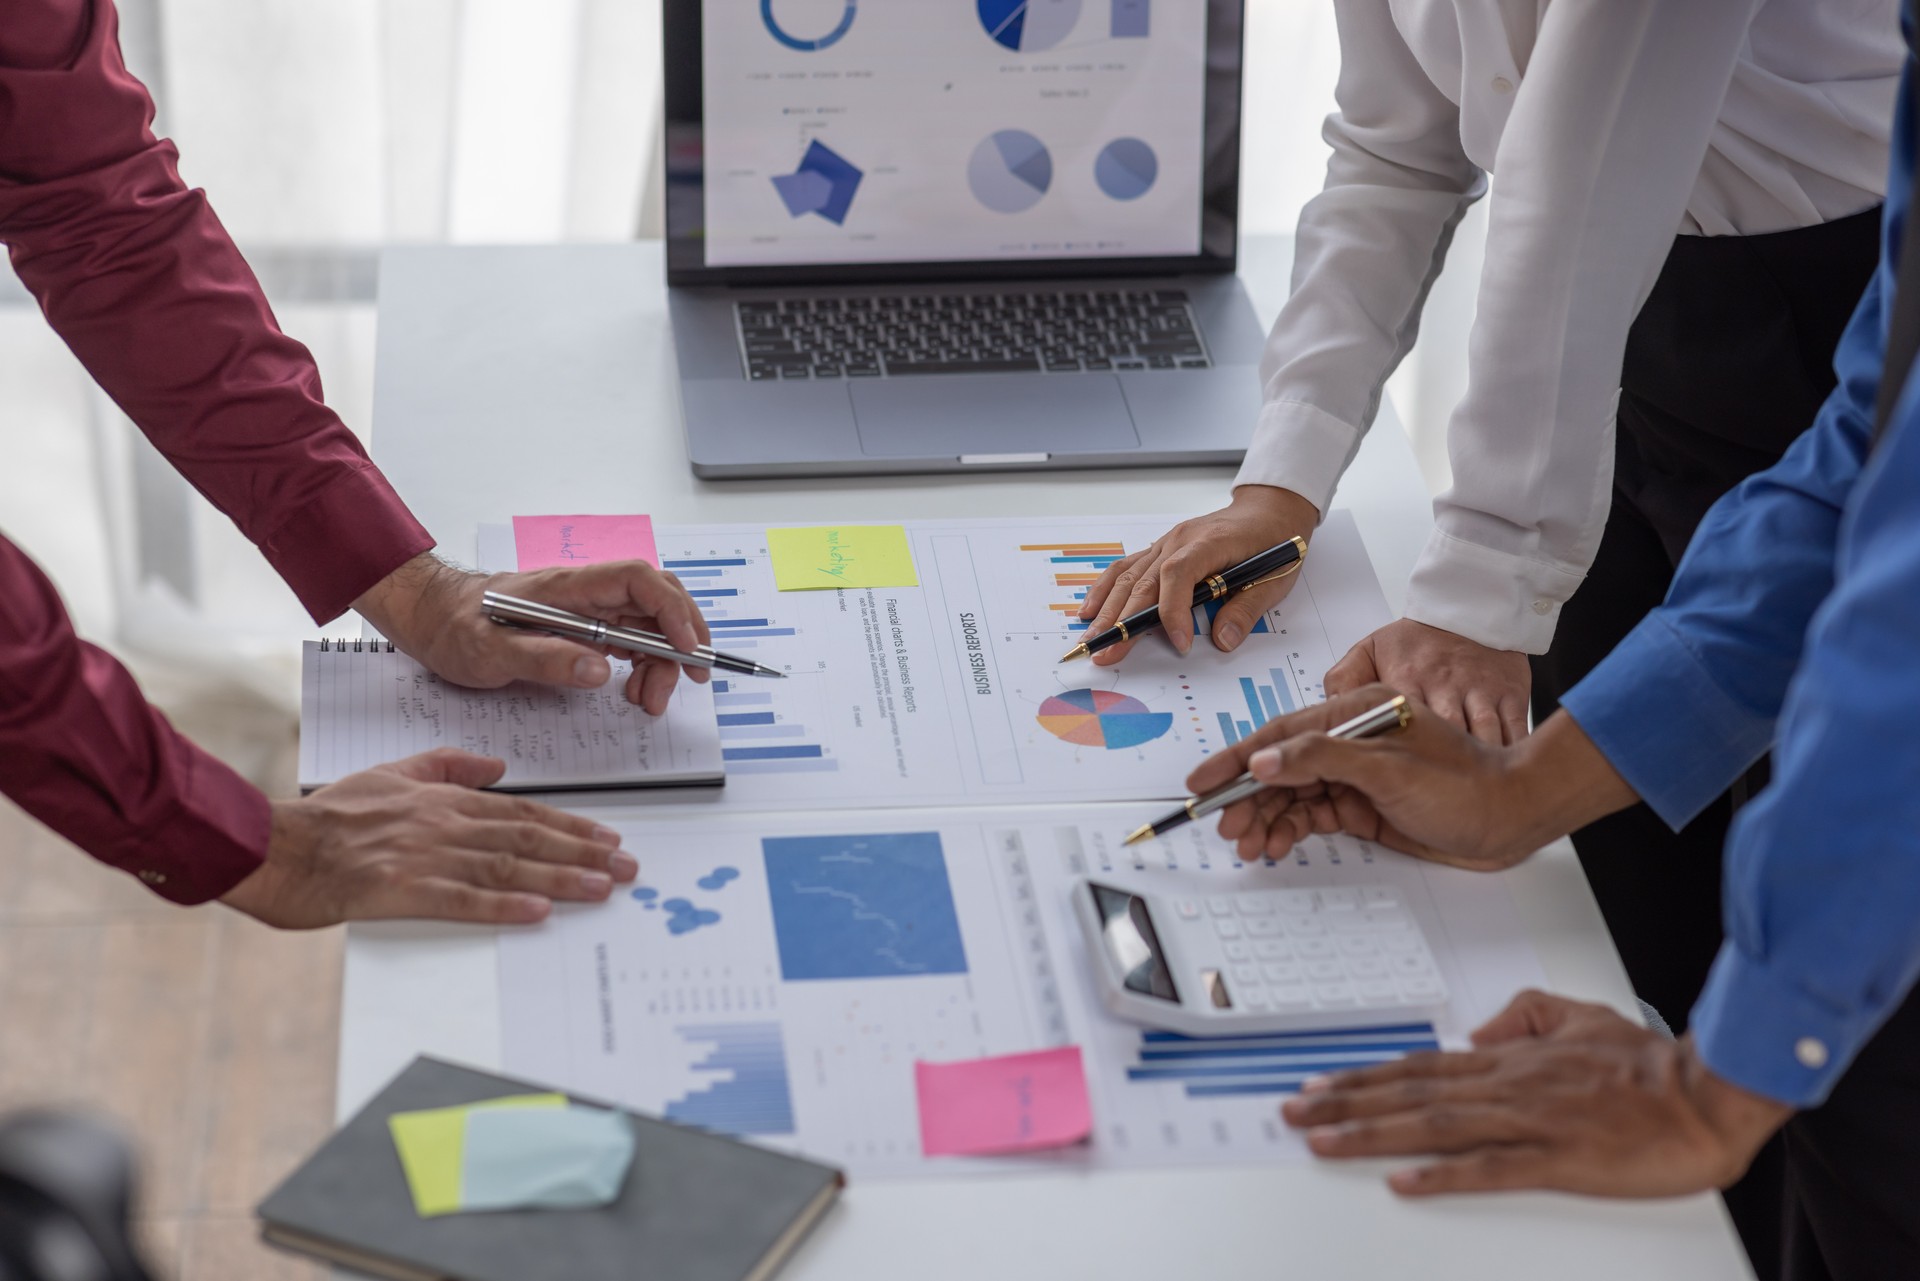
(1258, 518)
(1266, 567)
(1390, 716)
(511, 611)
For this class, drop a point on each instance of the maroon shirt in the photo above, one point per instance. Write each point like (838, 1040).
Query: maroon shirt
(133, 270)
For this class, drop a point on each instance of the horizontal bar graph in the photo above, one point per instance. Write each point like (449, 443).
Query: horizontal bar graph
(1274, 1063)
(763, 727)
(1074, 567)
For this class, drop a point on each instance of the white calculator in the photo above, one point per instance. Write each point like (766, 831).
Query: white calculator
(1261, 961)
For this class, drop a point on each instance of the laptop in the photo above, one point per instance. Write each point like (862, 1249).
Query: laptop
(956, 235)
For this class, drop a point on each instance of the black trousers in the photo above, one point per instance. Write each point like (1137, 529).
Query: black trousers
(1726, 364)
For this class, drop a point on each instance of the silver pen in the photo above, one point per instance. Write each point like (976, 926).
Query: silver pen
(511, 611)
(1390, 717)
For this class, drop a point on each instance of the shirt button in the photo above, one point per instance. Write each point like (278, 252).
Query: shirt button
(152, 877)
(1502, 85)
(1811, 1051)
(1543, 607)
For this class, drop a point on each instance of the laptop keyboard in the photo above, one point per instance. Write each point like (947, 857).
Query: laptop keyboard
(1056, 332)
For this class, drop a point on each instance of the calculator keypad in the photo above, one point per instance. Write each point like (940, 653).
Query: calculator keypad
(1300, 950)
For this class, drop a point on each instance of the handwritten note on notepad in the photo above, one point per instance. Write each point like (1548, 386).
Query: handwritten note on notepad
(544, 542)
(361, 707)
(1013, 1103)
(841, 556)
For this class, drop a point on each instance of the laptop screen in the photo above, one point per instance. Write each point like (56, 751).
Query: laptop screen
(874, 133)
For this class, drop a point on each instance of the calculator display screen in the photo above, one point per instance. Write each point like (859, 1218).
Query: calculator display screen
(1128, 933)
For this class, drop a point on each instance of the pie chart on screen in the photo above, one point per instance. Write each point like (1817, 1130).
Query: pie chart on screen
(1028, 26)
(1126, 169)
(1102, 718)
(1009, 171)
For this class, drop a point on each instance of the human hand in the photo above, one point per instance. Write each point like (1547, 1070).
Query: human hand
(414, 839)
(1259, 517)
(1484, 691)
(431, 610)
(1429, 790)
(1555, 1094)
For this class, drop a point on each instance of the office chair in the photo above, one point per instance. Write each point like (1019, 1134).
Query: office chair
(66, 1191)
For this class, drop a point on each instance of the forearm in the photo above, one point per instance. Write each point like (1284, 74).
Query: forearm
(138, 276)
(83, 751)
(1605, 143)
(1365, 251)
(1557, 781)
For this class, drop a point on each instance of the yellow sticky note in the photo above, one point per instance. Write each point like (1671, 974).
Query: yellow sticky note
(841, 556)
(432, 1146)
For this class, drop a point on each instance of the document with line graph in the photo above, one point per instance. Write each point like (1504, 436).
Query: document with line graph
(952, 691)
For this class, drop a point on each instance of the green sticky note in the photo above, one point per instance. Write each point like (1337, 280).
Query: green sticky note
(841, 556)
(432, 1147)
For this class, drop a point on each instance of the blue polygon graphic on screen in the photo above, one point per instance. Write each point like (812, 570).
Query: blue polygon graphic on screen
(807, 44)
(748, 1091)
(1009, 171)
(823, 184)
(862, 907)
(1132, 19)
(1028, 26)
(1126, 168)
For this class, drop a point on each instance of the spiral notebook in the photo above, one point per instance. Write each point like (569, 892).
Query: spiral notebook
(363, 703)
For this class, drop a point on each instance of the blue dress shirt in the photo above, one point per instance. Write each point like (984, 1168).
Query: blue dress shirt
(1794, 623)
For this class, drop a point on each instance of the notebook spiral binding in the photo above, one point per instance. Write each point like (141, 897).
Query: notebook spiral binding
(360, 646)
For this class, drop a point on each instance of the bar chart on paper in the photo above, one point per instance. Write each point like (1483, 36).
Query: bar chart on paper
(1072, 569)
(1280, 694)
(764, 725)
(746, 1089)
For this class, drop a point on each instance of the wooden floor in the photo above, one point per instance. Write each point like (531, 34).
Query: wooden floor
(209, 1038)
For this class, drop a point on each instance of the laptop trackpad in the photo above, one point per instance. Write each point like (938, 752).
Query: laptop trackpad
(944, 416)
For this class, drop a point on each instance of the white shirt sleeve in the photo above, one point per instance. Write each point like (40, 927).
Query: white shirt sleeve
(1604, 143)
(1366, 250)
(1608, 133)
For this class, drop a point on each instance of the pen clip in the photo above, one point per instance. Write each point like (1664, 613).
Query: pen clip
(1274, 578)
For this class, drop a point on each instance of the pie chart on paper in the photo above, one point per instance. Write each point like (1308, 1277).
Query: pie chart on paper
(1102, 718)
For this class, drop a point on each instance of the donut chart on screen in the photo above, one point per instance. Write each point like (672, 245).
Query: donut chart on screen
(805, 43)
(1102, 718)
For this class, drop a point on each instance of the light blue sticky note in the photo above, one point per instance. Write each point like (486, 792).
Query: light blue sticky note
(523, 1158)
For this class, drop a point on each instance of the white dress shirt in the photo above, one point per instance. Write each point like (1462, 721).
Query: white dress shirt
(1612, 124)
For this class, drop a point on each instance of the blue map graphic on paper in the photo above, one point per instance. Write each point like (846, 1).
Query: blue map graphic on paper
(823, 184)
(862, 907)
(683, 915)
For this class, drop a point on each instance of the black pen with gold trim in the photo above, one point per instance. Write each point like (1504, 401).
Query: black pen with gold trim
(1275, 562)
(1390, 717)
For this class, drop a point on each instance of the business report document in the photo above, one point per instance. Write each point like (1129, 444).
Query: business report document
(776, 977)
(953, 692)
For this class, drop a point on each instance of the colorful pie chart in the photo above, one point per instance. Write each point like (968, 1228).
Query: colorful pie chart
(1102, 718)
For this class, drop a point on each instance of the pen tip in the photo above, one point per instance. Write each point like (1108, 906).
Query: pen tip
(1139, 834)
(1078, 651)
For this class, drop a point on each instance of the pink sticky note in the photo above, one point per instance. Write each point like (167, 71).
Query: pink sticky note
(546, 541)
(1014, 1103)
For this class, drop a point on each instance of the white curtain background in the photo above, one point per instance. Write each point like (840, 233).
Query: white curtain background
(325, 129)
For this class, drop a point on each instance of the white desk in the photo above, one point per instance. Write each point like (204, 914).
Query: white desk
(541, 380)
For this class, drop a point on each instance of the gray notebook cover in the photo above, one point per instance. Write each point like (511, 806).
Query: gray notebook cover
(695, 1206)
